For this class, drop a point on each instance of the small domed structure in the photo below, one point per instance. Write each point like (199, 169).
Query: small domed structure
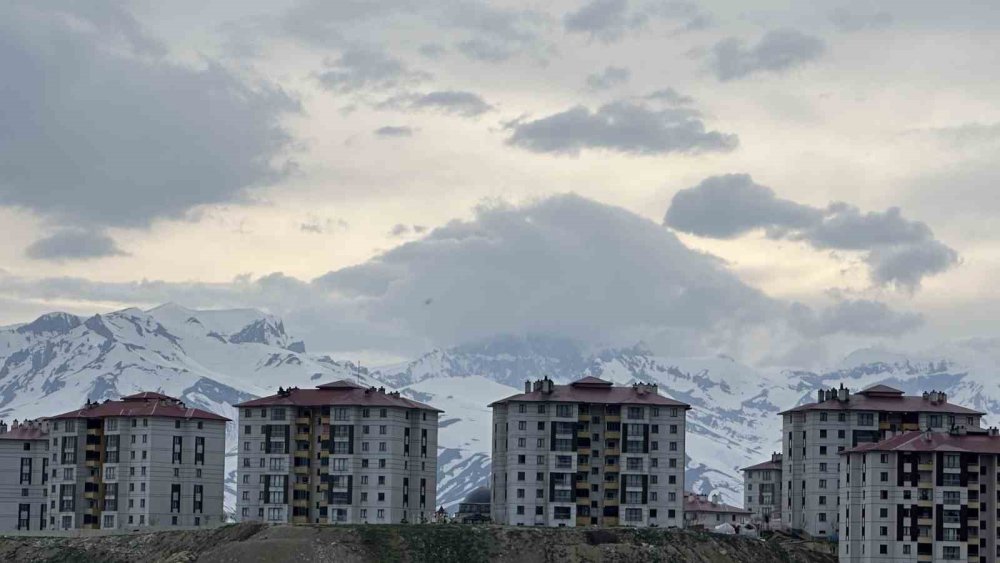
(476, 507)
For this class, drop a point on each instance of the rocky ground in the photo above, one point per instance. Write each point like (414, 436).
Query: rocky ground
(424, 543)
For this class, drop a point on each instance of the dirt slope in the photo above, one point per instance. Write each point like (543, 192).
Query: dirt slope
(252, 543)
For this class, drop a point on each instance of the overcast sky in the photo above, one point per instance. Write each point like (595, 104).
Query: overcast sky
(778, 181)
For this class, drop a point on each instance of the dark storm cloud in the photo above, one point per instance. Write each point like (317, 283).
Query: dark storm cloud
(626, 127)
(74, 244)
(97, 129)
(777, 51)
(900, 251)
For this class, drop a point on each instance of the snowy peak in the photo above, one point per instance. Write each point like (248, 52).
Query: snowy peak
(50, 323)
(269, 331)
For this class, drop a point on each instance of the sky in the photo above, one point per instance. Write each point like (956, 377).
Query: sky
(778, 181)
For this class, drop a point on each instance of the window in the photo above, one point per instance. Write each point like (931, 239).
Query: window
(25, 470)
(178, 448)
(952, 461)
(950, 552)
(564, 410)
(866, 419)
(952, 497)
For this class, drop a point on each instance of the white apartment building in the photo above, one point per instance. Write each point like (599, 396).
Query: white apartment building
(815, 434)
(24, 475)
(703, 512)
(339, 453)
(922, 496)
(588, 454)
(762, 488)
(145, 460)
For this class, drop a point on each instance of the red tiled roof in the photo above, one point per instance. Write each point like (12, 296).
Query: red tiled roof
(594, 392)
(980, 442)
(340, 384)
(25, 432)
(880, 389)
(147, 395)
(695, 503)
(765, 465)
(591, 381)
(337, 394)
(157, 405)
(883, 403)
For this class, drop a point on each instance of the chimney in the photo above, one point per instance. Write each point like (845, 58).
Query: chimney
(926, 435)
(843, 394)
(775, 457)
(993, 431)
(820, 396)
(547, 385)
(3, 427)
(716, 498)
(537, 385)
(13, 425)
(926, 395)
(527, 386)
(942, 397)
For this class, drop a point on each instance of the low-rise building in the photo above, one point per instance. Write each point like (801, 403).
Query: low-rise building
(588, 454)
(922, 496)
(339, 453)
(702, 512)
(762, 488)
(814, 434)
(145, 460)
(475, 508)
(24, 476)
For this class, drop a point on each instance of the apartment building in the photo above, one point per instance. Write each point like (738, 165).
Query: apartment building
(144, 460)
(816, 433)
(701, 511)
(339, 453)
(24, 474)
(762, 487)
(588, 454)
(922, 496)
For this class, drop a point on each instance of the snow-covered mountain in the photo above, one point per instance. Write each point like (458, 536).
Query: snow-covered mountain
(214, 359)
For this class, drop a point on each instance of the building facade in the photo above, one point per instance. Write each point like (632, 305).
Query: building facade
(588, 454)
(339, 453)
(145, 460)
(762, 487)
(921, 496)
(815, 434)
(24, 501)
(703, 512)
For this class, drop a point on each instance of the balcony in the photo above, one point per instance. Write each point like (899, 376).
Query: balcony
(93, 447)
(302, 454)
(925, 521)
(302, 437)
(301, 470)
(303, 420)
(583, 520)
(301, 486)
(612, 468)
(613, 435)
(929, 466)
(610, 521)
(300, 519)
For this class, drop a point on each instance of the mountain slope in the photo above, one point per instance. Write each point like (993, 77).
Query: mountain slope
(215, 359)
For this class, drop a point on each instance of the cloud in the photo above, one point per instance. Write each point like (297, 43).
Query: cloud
(859, 317)
(777, 51)
(669, 96)
(451, 102)
(127, 137)
(74, 244)
(554, 266)
(847, 21)
(900, 252)
(608, 78)
(393, 131)
(366, 68)
(732, 205)
(611, 20)
(625, 127)
(432, 50)
(484, 50)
